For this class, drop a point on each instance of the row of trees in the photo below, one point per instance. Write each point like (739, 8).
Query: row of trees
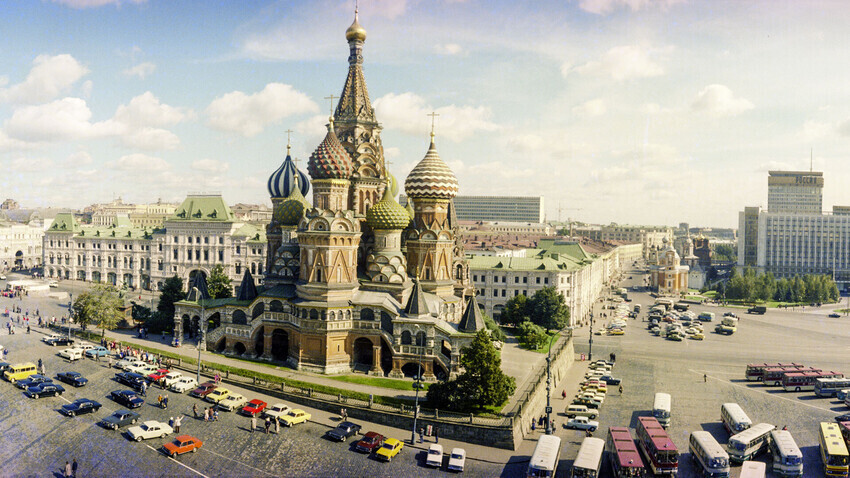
(765, 287)
(534, 317)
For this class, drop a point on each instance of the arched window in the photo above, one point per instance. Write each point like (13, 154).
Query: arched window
(367, 314)
(406, 338)
(420, 339)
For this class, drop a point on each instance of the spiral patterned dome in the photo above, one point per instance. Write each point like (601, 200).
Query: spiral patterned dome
(330, 160)
(431, 178)
(387, 213)
(283, 180)
(290, 211)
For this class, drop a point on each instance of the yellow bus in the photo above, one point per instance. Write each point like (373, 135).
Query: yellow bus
(833, 451)
(19, 371)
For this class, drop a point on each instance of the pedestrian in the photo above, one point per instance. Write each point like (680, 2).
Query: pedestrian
(268, 424)
(177, 423)
(144, 388)
(276, 426)
(195, 410)
(253, 423)
(421, 435)
(171, 422)
(436, 435)
(68, 470)
(159, 400)
(165, 400)
(621, 389)
(206, 414)
(564, 394)
(214, 414)
(533, 425)
(74, 468)
(109, 361)
(705, 378)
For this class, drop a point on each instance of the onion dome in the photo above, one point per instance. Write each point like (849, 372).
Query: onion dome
(291, 210)
(284, 179)
(387, 213)
(431, 178)
(355, 31)
(330, 160)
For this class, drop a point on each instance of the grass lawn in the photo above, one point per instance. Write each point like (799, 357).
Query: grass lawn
(391, 383)
(545, 348)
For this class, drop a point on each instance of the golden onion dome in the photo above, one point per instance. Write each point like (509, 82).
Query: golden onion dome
(355, 31)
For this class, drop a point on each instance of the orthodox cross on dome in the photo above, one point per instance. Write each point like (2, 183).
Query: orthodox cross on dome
(332, 98)
(433, 116)
(288, 141)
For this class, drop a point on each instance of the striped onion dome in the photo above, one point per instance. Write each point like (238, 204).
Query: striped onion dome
(387, 213)
(330, 160)
(290, 211)
(283, 180)
(431, 178)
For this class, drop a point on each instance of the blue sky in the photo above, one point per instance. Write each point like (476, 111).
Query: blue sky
(634, 111)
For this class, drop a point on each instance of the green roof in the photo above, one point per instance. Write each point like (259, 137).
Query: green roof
(253, 233)
(203, 208)
(64, 222)
(550, 256)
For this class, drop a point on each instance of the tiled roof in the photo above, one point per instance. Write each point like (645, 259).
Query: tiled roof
(204, 208)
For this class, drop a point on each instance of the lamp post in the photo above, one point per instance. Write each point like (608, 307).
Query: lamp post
(590, 340)
(70, 313)
(417, 385)
(201, 338)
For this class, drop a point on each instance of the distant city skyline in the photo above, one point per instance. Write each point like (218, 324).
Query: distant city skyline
(627, 111)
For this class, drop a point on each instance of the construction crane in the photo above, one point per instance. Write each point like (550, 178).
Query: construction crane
(560, 209)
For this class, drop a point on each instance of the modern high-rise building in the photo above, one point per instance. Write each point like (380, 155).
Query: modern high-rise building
(795, 191)
(497, 208)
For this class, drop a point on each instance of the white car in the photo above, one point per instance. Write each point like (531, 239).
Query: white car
(277, 410)
(132, 364)
(232, 402)
(144, 370)
(85, 347)
(582, 423)
(71, 354)
(457, 459)
(184, 384)
(172, 377)
(149, 429)
(50, 337)
(435, 456)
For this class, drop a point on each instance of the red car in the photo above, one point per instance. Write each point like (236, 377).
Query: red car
(254, 407)
(203, 389)
(182, 444)
(157, 376)
(370, 442)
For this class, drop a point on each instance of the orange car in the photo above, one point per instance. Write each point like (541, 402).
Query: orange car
(182, 444)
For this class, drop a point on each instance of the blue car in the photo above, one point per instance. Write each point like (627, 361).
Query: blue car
(80, 406)
(46, 389)
(131, 379)
(97, 352)
(72, 378)
(31, 381)
(128, 398)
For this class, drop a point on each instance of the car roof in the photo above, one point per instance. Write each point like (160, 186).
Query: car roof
(391, 441)
(186, 437)
(152, 423)
(372, 434)
(458, 451)
(256, 401)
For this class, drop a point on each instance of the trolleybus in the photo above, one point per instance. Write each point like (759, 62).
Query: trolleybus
(755, 371)
(830, 386)
(544, 461)
(799, 381)
(773, 376)
(661, 409)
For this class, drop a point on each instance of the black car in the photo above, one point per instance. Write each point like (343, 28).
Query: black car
(46, 389)
(80, 406)
(131, 379)
(32, 381)
(128, 398)
(72, 378)
(835, 315)
(842, 418)
(60, 341)
(119, 419)
(609, 380)
(4, 366)
(344, 430)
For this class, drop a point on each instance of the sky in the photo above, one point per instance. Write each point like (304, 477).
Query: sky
(627, 111)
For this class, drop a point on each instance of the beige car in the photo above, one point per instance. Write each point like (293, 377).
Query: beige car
(573, 411)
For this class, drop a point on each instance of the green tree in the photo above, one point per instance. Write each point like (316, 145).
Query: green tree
(725, 252)
(517, 310)
(531, 335)
(172, 291)
(549, 310)
(219, 284)
(496, 332)
(99, 306)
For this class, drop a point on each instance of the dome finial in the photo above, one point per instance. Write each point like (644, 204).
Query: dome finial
(288, 141)
(355, 31)
(433, 116)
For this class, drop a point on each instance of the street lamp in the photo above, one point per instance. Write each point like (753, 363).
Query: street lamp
(417, 384)
(201, 338)
(70, 313)
(590, 340)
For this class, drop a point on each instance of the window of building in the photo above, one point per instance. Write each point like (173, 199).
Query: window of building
(504, 292)
(525, 280)
(546, 280)
(221, 240)
(206, 239)
(176, 239)
(516, 280)
(175, 254)
(221, 256)
(538, 280)
(189, 239)
(206, 255)
(238, 250)
(238, 268)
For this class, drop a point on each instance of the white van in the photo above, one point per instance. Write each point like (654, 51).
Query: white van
(573, 411)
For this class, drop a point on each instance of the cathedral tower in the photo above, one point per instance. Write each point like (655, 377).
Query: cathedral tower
(386, 264)
(287, 187)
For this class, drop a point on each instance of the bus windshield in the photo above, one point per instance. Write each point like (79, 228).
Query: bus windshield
(837, 460)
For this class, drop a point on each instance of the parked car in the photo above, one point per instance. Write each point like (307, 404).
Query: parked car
(172, 377)
(149, 429)
(254, 407)
(698, 336)
(842, 418)
(46, 389)
(217, 395)
(182, 444)
(370, 442)
(144, 370)
(232, 402)
(32, 381)
(582, 423)
(131, 379)
(119, 419)
(183, 384)
(71, 354)
(157, 375)
(85, 346)
(60, 341)
(123, 363)
(580, 411)
(295, 417)
(131, 364)
(344, 431)
(80, 406)
(48, 338)
(457, 459)
(72, 378)
(835, 315)
(98, 351)
(389, 449)
(277, 410)
(203, 389)
(435, 456)
(610, 380)
(128, 398)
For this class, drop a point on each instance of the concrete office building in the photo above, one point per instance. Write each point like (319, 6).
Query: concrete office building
(517, 209)
(795, 191)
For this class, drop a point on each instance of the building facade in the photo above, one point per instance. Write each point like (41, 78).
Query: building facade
(668, 276)
(20, 245)
(795, 191)
(649, 237)
(505, 209)
(140, 215)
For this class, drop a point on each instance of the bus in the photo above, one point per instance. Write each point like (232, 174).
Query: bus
(830, 386)
(844, 427)
(661, 454)
(589, 459)
(661, 409)
(544, 461)
(750, 442)
(753, 469)
(734, 419)
(773, 376)
(625, 459)
(833, 450)
(787, 459)
(755, 371)
(706, 316)
(709, 455)
(798, 381)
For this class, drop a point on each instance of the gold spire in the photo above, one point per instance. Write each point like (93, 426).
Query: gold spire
(355, 31)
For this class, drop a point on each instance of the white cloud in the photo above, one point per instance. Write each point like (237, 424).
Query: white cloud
(142, 70)
(147, 110)
(815, 130)
(249, 114)
(844, 128)
(94, 3)
(25, 164)
(718, 100)
(12, 144)
(596, 107)
(408, 112)
(623, 63)
(604, 7)
(65, 119)
(449, 49)
(139, 163)
(150, 139)
(49, 77)
(80, 158)
(210, 166)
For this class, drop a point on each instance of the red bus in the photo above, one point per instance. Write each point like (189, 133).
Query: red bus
(625, 458)
(845, 431)
(657, 447)
(798, 381)
(773, 376)
(755, 371)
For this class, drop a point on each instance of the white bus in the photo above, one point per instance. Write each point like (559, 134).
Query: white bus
(750, 442)
(544, 461)
(753, 469)
(709, 455)
(787, 459)
(589, 458)
(829, 387)
(661, 409)
(734, 419)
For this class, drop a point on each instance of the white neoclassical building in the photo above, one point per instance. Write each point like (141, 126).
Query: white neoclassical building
(20, 245)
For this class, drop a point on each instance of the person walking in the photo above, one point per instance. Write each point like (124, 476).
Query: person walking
(253, 423)
(74, 468)
(705, 378)
(421, 435)
(276, 426)
(206, 414)
(144, 388)
(68, 470)
(195, 410)
(268, 424)
(165, 399)
(436, 435)
(621, 389)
